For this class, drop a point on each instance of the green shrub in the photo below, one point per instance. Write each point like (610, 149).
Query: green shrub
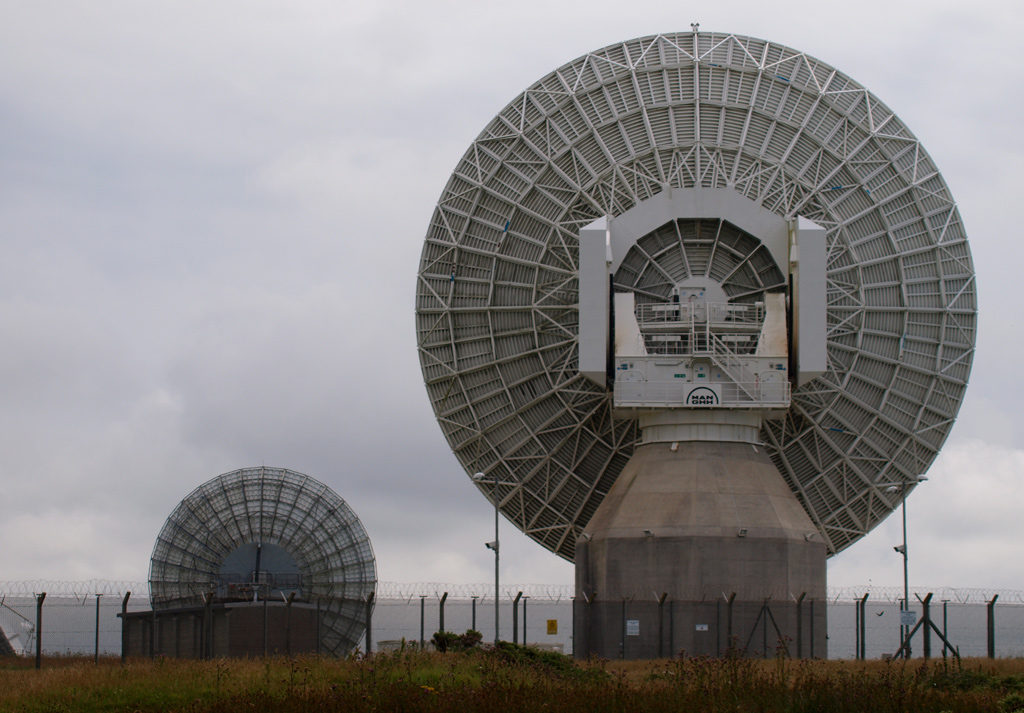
(445, 641)
(1012, 703)
(471, 639)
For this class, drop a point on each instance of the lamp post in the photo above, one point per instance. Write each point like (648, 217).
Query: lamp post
(902, 549)
(479, 477)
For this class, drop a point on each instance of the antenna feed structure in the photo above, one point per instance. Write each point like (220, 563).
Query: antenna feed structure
(695, 284)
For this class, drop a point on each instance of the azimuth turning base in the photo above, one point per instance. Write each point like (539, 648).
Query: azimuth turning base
(714, 528)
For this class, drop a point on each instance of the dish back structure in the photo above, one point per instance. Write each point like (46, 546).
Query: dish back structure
(497, 289)
(310, 541)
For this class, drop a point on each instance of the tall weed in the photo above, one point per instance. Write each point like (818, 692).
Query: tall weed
(511, 679)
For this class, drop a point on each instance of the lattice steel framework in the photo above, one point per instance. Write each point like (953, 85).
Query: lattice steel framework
(497, 285)
(278, 507)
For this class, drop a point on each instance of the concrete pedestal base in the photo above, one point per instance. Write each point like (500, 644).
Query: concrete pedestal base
(713, 532)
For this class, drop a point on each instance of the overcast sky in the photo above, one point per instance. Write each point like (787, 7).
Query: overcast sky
(211, 217)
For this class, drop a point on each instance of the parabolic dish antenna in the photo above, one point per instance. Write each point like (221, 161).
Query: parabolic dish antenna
(499, 277)
(260, 533)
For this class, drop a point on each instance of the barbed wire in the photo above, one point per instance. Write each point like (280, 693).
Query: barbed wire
(86, 590)
(415, 590)
(952, 595)
(72, 588)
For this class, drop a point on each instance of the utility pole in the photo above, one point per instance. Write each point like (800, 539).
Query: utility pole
(479, 478)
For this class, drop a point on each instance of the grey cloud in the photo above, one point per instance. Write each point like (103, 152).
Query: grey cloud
(212, 215)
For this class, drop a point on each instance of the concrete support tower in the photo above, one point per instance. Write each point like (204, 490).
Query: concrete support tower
(700, 546)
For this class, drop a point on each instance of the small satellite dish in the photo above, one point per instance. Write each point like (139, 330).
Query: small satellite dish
(267, 533)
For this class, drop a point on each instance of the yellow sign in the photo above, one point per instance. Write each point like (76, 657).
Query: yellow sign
(552, 627)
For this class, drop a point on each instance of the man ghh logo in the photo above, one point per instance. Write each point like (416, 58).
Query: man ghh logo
(701, 396)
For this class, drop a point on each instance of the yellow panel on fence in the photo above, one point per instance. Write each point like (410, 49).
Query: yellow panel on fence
(552, 627)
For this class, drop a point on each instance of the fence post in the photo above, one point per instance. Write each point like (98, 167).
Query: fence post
(812, 628)
(207, 625)
(369, 623)
(124, 628)
(926, 615)
(266, 644)
(96, 651)
(856, 629)
(729, 644)
(661, 624)
(39, 629)
(992, 627)
(423, 610)
(718, 629)
(440, 620)
(764, 630)
(800, 625)
(622, 632)
(287, 625)
(863, 610)
(576, 648)
(863, 628)
(475, 597)
(945, 621)
(525, 642)
(672, 627)
(515, 618)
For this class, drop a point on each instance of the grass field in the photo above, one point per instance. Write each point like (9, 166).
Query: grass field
(511, 679)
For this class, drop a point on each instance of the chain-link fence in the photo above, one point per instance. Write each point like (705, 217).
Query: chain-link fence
(82, 624)
(82, 618)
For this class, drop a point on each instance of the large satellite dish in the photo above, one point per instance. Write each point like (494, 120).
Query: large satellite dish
(498, 290)
(260, 533)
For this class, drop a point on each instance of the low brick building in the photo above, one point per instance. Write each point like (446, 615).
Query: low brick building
(232, 629)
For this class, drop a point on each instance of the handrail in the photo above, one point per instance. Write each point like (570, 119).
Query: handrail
(702, 312)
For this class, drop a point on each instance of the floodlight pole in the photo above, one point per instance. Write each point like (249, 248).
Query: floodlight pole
(906, 578)
(497, 599)
(902, 549)
(479, 478)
